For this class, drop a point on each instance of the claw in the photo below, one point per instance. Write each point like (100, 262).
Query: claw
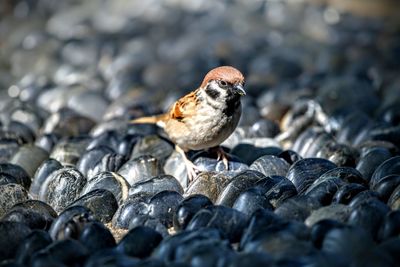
(192, 170)
(222, 155)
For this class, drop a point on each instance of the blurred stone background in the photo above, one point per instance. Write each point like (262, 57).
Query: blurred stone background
(116, 49)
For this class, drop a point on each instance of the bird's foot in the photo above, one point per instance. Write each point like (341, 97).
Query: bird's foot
(222, 155)
(191, 169)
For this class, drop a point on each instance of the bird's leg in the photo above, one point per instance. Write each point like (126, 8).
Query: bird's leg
(222, 155)
(190, 167)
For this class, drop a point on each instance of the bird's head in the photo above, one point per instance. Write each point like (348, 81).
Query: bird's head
(224, 82)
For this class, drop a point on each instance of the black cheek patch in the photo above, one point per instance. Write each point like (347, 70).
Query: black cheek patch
(214, 94)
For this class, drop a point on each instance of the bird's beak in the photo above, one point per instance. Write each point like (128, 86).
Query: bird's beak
(239, 89)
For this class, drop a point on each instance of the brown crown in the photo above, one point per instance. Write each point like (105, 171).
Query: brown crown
(226, 73)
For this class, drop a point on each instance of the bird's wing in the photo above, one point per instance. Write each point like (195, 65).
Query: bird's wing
(184, 107)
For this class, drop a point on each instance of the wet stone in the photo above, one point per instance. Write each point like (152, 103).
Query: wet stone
(362, 197)
(148, 221)
(155, 146)
(321, 228)
(350, 242)
(347, 174)
(279, 192)
(394, 200)
(371, 159)
(251, 200)
(91, 158)
(8, 147)
(101, 202)
(8, 179)
(347, 192)
(110, 139)
(390, 226)
(12, 235)
(249, 153)
(187, 208)
(110, 181)
(89, 104)
(238, 184)
(156, 184)
(297, 208)
(338, 212)
(67, 123)
(390, 166)
(11, 194)
(163, 206)
(169, 247)
(139, 242)
(35, 241)
(108, 163)
(62, 187)
(20, 175)
(207, 161)
(34, 213)
(209, 184)
(270, 165)
(386, 186)
(67, 252)
(304, 172)
(47, 141)
(41, 175)
(369, 215)
(140, 169)
(95, 237)
(282, 240)
(229, 222)
(134, 206)
(68, 152)
(110, 256)
(70, 223)
(29, 158)
(24, 132)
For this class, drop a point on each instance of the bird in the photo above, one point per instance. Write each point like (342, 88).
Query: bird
(205, 117)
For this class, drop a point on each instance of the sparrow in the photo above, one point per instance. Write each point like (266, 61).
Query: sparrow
(204, 118)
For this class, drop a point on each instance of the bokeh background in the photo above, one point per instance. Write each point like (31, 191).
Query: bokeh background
(125, 53)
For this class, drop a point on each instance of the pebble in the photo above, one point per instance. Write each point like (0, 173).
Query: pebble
(13, 234)
(101, 202)
(11, 194)
(62, 187)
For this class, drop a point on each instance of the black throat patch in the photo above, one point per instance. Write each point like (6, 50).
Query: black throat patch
(211, 92)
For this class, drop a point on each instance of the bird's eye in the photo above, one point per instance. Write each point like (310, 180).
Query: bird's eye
(222, 83)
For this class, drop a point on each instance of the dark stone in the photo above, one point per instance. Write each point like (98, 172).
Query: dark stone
(237, 185)
(11, 194)
(34, 213)
(139, 242)
(70, 223)
(228, 221)
(62, 187)
(304, 172)
(68, 252)
(110, 181)
(12, 235)
(163, 206)
(101, 202)
(20, 175)
(42, 173)
(133, 206)
(35, 241)
(95, 237)
(297, 208)
(188, 208)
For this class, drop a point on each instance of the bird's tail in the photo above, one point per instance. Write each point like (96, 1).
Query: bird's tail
(158, 119)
